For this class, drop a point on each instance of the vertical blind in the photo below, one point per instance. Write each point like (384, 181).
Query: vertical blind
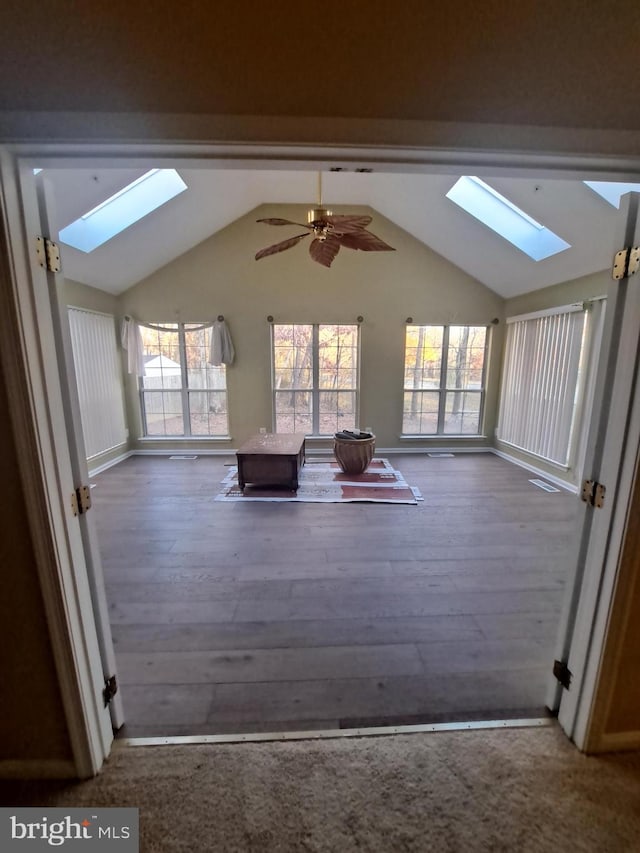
(541, 383)
(99, 378)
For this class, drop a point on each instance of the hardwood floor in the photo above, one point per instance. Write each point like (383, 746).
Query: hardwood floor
(262, 617)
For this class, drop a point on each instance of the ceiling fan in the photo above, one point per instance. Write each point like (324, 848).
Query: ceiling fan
(329, 234)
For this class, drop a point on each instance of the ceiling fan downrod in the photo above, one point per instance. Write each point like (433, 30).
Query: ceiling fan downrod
(317, 216)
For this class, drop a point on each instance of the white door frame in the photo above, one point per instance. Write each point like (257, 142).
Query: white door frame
(612, 449)
(28, 352)
(29, 348)
(78, 455)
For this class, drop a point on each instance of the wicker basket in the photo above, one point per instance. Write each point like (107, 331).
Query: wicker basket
(354, 454)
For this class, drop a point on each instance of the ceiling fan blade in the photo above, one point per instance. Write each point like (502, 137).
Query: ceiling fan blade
(324, 251)
(347, 224)
(277, 221)
(280, 247)
(365, 241)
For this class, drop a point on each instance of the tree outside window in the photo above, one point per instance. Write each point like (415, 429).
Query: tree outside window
(315, 378)
(444, 380)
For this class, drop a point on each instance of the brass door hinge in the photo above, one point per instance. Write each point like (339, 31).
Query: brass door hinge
(110, 689)
(81, 500)
(48, 254)
(562, 673)
(593, 493)
(626, 262)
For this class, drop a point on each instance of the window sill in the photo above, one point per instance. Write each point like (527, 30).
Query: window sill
(319, 437)
(184, 438)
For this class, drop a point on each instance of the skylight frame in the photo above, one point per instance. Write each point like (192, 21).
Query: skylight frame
(612, 191)
(502, 216)
(122, 209)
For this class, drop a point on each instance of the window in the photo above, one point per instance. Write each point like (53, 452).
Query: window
(542, 378)
(315, 378)
(505, 218)
(444, 380)
(181, 393)
(121, 210)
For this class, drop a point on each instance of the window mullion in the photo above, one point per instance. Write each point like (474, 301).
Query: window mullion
(488, 339)
(315, 378)
(357, 388)
(274, 393)
(184, 392)
(443, 379)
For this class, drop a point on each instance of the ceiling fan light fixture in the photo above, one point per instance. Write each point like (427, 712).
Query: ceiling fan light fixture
(318, 213)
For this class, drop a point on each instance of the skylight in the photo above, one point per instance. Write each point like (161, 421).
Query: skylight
(121, 210)
(612, 191)
(503, 217)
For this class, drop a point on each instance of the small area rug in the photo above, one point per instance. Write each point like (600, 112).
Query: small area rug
(324, 482)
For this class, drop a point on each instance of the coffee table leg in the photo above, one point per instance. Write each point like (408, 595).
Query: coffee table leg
(240, 476)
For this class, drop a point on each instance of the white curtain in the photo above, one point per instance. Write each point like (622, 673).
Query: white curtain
(131, 341)
(542, 378)
(222, 351)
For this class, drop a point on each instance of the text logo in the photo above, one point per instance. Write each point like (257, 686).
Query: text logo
(90, 829)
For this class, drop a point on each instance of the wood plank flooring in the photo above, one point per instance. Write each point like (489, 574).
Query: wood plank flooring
(263, 617)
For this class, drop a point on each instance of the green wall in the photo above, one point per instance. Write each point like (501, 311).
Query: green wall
(80, 295)
(220, 276)
(576, 290)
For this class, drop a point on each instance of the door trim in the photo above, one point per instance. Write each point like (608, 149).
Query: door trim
(73, 628)
(610, 459)
(27, 350)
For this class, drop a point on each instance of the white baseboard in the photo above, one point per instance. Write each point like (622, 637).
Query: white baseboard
(328, 451)
(619, 741)
(100, 468)
(36, 769)
(557, 481)
(432, 448)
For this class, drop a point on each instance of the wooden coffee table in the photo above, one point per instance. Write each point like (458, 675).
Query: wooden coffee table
(273, 459)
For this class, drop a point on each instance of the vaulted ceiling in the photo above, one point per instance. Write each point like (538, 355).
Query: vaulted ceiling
(415, 202)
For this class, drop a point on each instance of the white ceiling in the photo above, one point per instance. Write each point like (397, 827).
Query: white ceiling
(416, 202)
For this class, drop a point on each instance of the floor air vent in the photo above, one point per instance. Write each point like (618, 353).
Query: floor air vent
(183, 457)
(439, 455)
(547, 487)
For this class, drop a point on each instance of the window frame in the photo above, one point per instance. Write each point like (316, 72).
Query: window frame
(315, 391)
(185, 391)
(442, 390)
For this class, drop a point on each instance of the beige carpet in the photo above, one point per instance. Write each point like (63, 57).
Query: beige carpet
(502, 790)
